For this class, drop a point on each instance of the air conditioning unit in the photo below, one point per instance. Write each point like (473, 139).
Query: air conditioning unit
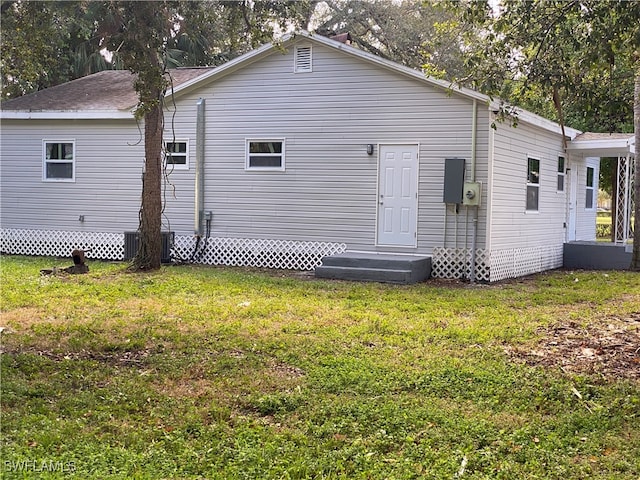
(131, 240)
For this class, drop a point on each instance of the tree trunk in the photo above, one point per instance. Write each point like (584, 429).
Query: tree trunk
(635, 259)
(149, 253)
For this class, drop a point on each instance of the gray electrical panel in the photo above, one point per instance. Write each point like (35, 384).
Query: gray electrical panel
(453, 180)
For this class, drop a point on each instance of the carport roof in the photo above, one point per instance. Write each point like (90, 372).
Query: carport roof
(602, 145)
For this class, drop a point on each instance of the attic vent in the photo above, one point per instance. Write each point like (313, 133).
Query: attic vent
(302, 59)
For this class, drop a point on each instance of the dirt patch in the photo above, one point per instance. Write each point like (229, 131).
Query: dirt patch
(286, 371)
(120, 358)
(610, 348)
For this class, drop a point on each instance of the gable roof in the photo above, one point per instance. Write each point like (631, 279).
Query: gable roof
(289, 40)
(199, 76)
(106, 94)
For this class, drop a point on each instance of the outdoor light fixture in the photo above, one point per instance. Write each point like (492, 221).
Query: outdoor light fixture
(370, 149)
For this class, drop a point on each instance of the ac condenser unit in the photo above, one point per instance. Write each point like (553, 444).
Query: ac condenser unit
(131, 240)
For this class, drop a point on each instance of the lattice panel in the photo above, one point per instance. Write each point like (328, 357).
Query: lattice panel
(624, 201)
(256, 252)
(518, 262)
(456, 263)
(278, 254)
(104, 246)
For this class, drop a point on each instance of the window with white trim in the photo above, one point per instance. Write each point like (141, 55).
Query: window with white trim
(267, 154)
(533, 184)
(302, 59)
(59, 161)
(590, 194)
(177, 154)
(561, 173)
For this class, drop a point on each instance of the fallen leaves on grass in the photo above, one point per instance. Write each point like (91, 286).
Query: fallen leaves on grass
(610, 348)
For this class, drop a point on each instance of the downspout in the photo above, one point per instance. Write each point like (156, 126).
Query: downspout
(199, 182)
(474, 238)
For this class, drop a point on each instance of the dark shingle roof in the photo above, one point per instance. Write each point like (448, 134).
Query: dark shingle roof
(106, 90)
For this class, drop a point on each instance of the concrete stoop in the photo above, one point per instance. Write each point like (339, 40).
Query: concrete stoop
(386, 268)
(597, 255)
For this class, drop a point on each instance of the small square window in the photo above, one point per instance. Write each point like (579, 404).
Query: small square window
(59, 161)
(176, 155)
(265, 155)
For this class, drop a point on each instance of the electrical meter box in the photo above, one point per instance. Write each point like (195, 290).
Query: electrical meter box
(472, 192)
(453, 180)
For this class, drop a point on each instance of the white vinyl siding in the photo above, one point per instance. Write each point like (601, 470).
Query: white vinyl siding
(109, 161)
(328, 190)
(512, 227)
(58, 164)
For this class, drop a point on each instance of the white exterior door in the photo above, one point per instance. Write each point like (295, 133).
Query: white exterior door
(398, 195)
(572, 203)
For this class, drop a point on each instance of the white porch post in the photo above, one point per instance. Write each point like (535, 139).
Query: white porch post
(624, 200)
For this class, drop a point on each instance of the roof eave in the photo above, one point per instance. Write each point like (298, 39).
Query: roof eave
(537, 120)
(66, 115)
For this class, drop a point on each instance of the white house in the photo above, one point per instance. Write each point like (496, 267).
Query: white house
(294, 151)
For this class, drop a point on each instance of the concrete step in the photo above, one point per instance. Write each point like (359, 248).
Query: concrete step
(403, 269)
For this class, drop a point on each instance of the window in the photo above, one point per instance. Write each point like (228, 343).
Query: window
(176, 155)
(590, 188)
(533, 184)
(265, 155)
(561, 174)
(302, 59)
(59, 161)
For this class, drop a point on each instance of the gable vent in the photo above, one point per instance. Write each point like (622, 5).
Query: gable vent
(302, 59)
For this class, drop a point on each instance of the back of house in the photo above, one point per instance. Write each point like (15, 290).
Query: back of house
(295, 152)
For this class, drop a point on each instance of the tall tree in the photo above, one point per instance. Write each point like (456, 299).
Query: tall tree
(43, 44)
(137, 33)
(558, 47)
(411, 32)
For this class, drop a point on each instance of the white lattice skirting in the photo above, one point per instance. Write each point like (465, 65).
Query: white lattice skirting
(495, 265)
(456, 263)
(256, 252)
(53, 243)
(278, 254)
(518, 262)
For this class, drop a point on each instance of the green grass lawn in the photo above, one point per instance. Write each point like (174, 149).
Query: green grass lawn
(221, 373)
